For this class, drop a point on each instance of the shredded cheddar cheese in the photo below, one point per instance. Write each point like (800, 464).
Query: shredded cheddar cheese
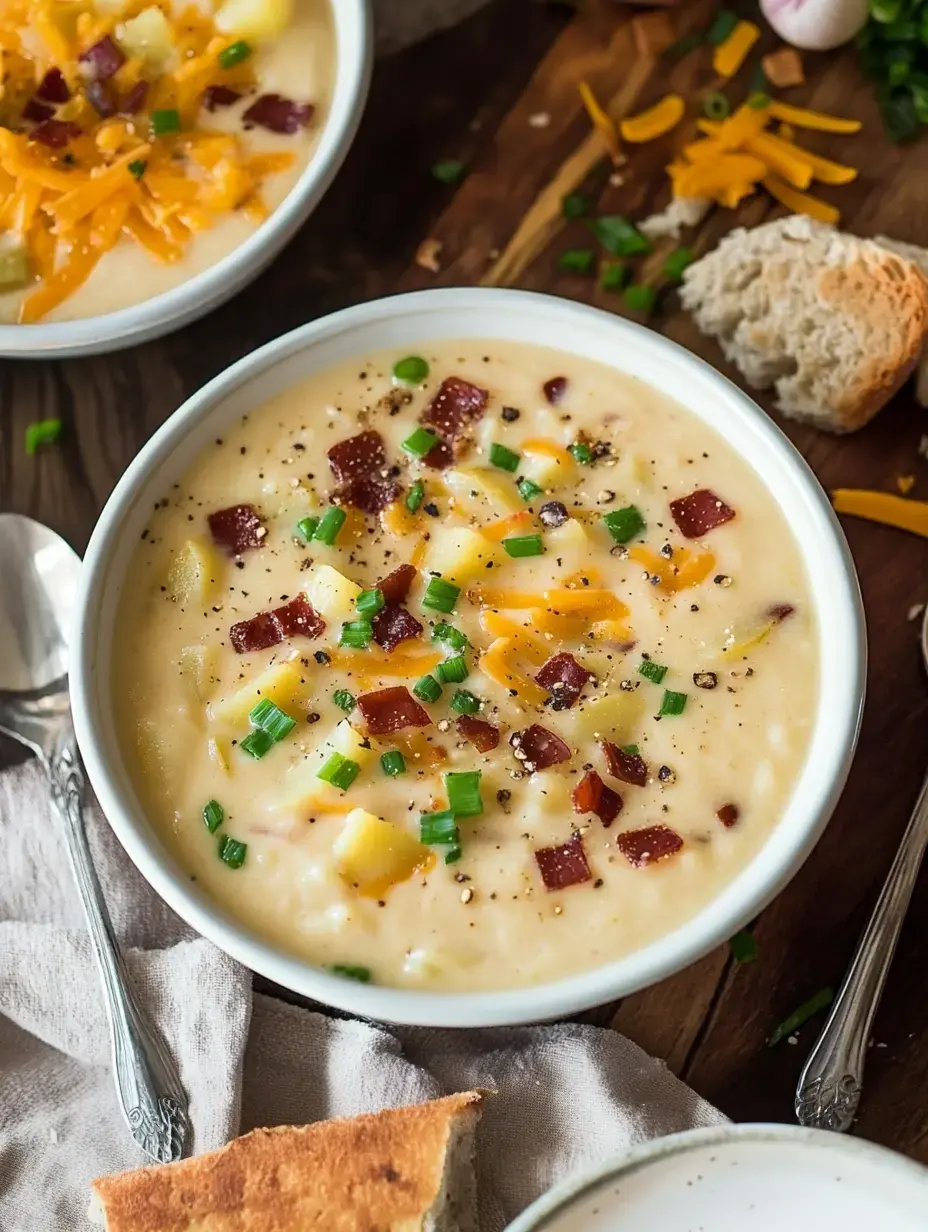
(602, 122)
(653, 123)
(497, 662)
(910, 515)
(732, 53)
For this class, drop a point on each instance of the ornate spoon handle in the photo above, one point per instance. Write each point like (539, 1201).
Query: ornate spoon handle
(150, 1093)
(830, 1086)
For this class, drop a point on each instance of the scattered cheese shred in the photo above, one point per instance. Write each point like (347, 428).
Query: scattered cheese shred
(497, 662)
(818, 120)
(653, 123)
(598, 604)
(497, 625)
(891, 510)
(800, 202)
(503, 527)
(683, 570)
(732, 53)
(602, 122)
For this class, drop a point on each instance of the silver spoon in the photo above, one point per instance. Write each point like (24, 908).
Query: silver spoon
(831, 1084)
(38, 588)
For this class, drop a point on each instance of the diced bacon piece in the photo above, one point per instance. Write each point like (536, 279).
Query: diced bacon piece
(236, 528)
(257, 633)
(555, 389)
(369, 494)
(37, 111)
(55, 133)
(103, 59)
(483, 736)
(536, 748)
(440, 456)
(563, 866)
(564, 679)
(357, 457)
(456, 405)
(101, 97)
(395, 586)
(389, 710)
(53, 88)
(134, 99)
(591, 795)
(215, 97)
(647, 846)
(393, 625)
(728, 815)
(629, 767)
(278, 114)
(299, 618)
(780, 611)
(699, 513)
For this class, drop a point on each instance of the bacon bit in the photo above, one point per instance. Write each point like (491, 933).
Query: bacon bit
(728, 815)
(537, 748)
(591, 795)
(357, 457)
(395, 586)
(98, 93)
(236, 528)
(563, 866)
(440, 456)
(53, 88)
(628, 767)
(564, 678)
(215, 97)
(368, 494)
(647, 846)
(555, 389)
(55, 133)
(278, 114)
(699, 513)
(780, 612)
(389, 710)
(456, 405)
(135, 99)
(296, 619)
(299, 618)
(37, 112)
(427, 255)
(393, 625)
(483, 736)
(103, 59)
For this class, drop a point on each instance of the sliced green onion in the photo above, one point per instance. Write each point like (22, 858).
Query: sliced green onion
(620, 237)
(631, 749)
(234, 54)
(436, 828)
(463, 788)
(575, 205)
(412, 370)
(677, 262)
(453, 671)
(672, 703)
(715, 106)
(213, 815)
(330, 524)
(352, 972)
(652, 671)
(440, 596)
(464, 702)
(427, 689)
(338, 770)
(270, 718)
(529, 489)
(448, 170)
(307, 527)
(231, 851)
(613, 276)
(356, 634)
(640, 298)
(453, 854)
(165, 122)
(344, 700)
(581, 451)
(524, 545)
(420, 442)
(414, 496)
(369, 602)
(505, 459)
(393, 763)
(577, 260)
(137, 168)
(758, 100)
(257, 743)
(743, 946)
(815, 1004)
(454, 637)
(44, 432)
(624, 524)
(722, 25)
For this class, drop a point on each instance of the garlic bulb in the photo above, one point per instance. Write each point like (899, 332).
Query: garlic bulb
(815, 25)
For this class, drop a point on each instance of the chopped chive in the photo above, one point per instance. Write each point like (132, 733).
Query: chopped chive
(820, 1001)
(165, 122)
(529, 489)
(307, 527)
(624, 524)
(577, 260)
(715, 106)
(743, 946)
(414, 496)
(43, 432)
(463, 788)
(257, 743)
(427, 689)
(677, 262)
(436, 828)
(453, 671)
(464, 702)
(505, 459)
(524, 545)
(721, 26)
(344, 700)
(356, 634)
(652, 671)
(448, 170)
(420, 442)
(613, 275)
(330, 524)
(453, 854)
(137, 168)
(269, 718)
(231, 851)
(440, 596)
(620, 237)
(393, 763)
(672, 703)
(352, 972)
(234, 54)
(213, 815)
(338, 770)
(454, 637)
(369, 602)
(640, 298)
(581, 451)
(575, 205)
(631, 749)
(412, 370)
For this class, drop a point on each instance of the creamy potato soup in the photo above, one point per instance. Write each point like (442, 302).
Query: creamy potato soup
(465, 670)
(141, 142)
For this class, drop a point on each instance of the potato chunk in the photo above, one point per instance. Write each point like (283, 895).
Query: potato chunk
(547, 463)
(197, 666)
(285, 684)
(332, 594)
(478, 490)
(372, 854)
(613, 717)
(147, 37)
(260, 20)
(459, 554)
(194, 573)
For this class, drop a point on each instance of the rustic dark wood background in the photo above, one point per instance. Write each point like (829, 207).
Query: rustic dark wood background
(468, 94)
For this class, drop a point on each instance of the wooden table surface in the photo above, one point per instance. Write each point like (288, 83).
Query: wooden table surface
(469, 94)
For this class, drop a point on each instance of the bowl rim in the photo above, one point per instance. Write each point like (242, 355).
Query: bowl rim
(714, 924)
(560, 1198)
(194, 297)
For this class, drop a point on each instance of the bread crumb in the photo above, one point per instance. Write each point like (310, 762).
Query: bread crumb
(915, 611)
(905, 483)
(540, 119)
(783, 68)
(427, 255)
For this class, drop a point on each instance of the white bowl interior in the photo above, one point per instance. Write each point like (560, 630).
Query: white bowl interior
(197, 296)
(405, 322)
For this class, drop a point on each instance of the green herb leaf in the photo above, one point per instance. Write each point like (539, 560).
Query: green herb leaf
(454, 637)
(330, 524)
(816, 1003)
(344, 700)
(257, 743)
(231, 851)
(624, 524)
(524, 545)
(137, 168)
(464, 702)
(620, 237)
(506, 459)
(613, 275)
(427, 689)
(440, 596)
(269, 718)
(581, 452)
(414, 496)
(307, 527)
(393, 763)
(576, 260)
(676, 263)
(672, 703)
(438, 828)
(419, 442)
(743, 947)
(448, 171)
(640, 298)
(213, 815)
(165, 122)
(453, 671)
(338, 770)
(234, 54)
(412, 370)
(356, 634)
(529, 489)
(43, 432)
(655, 672)
(352, 972)
(575, 205)
(463, 788)
(369, 602)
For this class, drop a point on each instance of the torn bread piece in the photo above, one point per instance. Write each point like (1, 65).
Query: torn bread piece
(403, 1170)
(918, 256)
(833, 323)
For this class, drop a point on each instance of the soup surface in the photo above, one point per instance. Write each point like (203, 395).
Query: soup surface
(544, 694)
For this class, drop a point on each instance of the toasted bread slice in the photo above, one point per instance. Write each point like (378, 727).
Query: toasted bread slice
(918, 256)
(404, 1170)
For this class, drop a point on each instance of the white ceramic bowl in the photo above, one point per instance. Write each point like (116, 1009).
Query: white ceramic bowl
(197, 296)
(408, 322)
(741, 1178)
